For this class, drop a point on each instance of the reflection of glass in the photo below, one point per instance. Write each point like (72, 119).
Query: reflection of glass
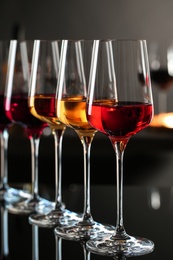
(4, 234)
(87, 254)
(161, 66)
(120, 105)
(16, 107)
(44, 72)
(35, 243)
(58, 250)
(7, 193)
(71, 111)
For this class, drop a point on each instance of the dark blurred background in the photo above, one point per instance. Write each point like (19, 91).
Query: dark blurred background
(88, 19)
(149, 155)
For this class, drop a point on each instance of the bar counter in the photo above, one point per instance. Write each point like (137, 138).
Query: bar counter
(148, 194)
(148, 212)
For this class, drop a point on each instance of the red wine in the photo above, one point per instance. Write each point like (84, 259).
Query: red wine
(19, 112)
(4, 121)
(120, 120)
(162, 78)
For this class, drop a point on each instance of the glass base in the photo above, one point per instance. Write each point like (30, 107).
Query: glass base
(41, 208)
(44, 208)
(11, 195)
(109, 246)
(84, 231)
(27, 206)
(55, 218)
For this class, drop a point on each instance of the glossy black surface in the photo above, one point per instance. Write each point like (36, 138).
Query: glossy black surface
(148, 192)
(148, 212)
(148, 158)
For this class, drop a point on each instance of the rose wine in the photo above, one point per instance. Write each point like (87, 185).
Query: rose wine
(120, 119)
(4, 121)
(18, 112)
(43, 107)
(73, 114)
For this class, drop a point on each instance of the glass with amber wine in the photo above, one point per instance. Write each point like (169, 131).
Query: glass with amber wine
(71, 110)
(43, 81)
(119, 105)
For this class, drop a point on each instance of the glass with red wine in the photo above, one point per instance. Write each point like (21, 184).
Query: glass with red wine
(17, 111)
(7, 193)
(120, 105)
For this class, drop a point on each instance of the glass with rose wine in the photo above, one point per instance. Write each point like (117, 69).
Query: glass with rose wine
(17, 111)
(71, 97)
(44, 72)
(120, 105)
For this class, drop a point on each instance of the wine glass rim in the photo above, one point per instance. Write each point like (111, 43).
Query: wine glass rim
(78, 39)
(122, 40)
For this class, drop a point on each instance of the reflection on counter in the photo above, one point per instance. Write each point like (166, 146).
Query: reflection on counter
(148, 212)
(148, 158)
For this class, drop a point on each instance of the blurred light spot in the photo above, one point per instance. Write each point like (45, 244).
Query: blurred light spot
(47, 131)
(155, 200)
(155, 64)
(163, 120)
(170, 60)
(168, 120)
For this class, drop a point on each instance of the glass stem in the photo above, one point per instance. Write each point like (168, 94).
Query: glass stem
(58, 137)
(86, 141)
(4, 164)
(120, 232)
(34, 164)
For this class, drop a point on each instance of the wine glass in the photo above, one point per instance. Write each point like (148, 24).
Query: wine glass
(120, 105)
(7, 193)
(161, 71)
(44, 72)
(71, 110)
(16, 107)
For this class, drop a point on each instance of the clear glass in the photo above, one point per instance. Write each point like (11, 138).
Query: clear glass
(119, 105)
(16, 107)
(161, 71)
(44, 72)
(7, 193)
(71, 111)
